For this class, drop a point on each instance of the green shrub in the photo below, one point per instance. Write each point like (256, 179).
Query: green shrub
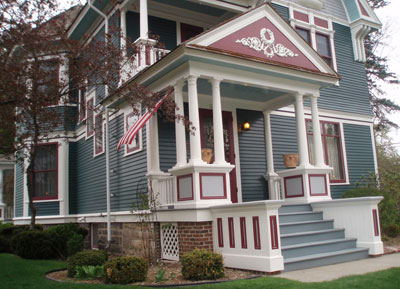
(89, 272)
(74, 244)
(85, 258)
(362, 192)
(33, 244)
(124, 270)
(201, 264)
(392, 230)
(5, 246)
(61, 234)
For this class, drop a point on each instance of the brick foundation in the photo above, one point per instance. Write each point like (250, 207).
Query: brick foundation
(194, 235)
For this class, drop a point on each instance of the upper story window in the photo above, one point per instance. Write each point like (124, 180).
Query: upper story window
(318, 32)
(135, 146)
(48, 81)
(99, 133)
(89, 118)
(333, 149)
(188, 31)
(46, 172)
(82, 104)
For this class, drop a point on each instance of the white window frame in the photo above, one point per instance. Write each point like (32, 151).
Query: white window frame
(139, 148)
(95, 153)
(89, 98)
(314, 29)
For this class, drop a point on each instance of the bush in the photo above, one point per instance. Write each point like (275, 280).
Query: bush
(124, 270)
(5, 246)
(33, 244)
(89, 272)
(85, 258)
(74, 244)
(392, 230)
(201, 264)
(362, 192)
(61, 234)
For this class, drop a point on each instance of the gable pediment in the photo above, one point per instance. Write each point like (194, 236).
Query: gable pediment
(263, 34)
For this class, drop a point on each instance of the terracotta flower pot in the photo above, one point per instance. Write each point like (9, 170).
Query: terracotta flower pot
(290, 160)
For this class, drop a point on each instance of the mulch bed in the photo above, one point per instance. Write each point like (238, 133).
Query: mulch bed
(172, 273)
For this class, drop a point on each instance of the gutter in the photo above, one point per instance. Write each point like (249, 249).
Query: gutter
(108, 193)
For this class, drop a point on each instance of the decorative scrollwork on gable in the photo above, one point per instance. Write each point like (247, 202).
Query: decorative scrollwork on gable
(267, 45)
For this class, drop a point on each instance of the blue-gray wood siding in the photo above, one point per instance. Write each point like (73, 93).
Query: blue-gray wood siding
(252, 156)
(89, 193)
(100, 89)
(358, 142)
(360, 156)
(283, 130)
(46, 209)
(352, 94)
(167, 144)
(163, 28)
(19, 191)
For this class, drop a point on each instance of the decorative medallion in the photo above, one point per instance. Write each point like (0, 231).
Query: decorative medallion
(267, 45)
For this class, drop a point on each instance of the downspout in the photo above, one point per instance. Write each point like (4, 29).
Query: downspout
(107, 141)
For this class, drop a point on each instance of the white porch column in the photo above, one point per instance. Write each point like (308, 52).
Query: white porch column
(317, 139)
(195, 142)
(180, 134)
(144, 25)
(301, 132)
(123, 31)
(268, 143)
(152, 146)
(219, 150)
(1, 186)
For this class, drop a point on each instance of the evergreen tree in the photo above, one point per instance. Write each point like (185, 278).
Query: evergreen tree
(378, 72)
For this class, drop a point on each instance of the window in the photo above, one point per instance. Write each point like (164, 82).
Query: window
(82, 106)
(131, 119)
(89, 118)
(46, 172)
(323, 47)
(332, 145)
(47, 81)
(188, 31)
(305, 33)
(98, 139)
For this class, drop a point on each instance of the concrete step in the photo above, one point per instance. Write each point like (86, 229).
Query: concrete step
(312, 236)
(312, 248)
(298, 217)
(295, 208)
(324, 259)
(297, 227)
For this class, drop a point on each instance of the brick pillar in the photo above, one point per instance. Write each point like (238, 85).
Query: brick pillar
(194, 235)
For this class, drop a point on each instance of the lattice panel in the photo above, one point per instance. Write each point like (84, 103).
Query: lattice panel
(169, 242)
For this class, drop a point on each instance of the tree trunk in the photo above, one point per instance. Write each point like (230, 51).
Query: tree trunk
(31, 187)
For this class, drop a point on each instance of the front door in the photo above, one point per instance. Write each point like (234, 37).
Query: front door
(207, 143)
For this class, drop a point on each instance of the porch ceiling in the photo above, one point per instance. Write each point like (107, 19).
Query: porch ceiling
(239, 91)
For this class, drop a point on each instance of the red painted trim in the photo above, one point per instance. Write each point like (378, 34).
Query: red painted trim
(220, 233)
(256, 233)
(301, 16)
(376, 221)
(56, 170)
(325, 147)
(321, 22)
(274, 232)
(326, 186)
(243, 234)
(201, 186)
(89, 115)
(231, 228)
(363, 10)
(137, 147)
(302, 186)
(177, 181)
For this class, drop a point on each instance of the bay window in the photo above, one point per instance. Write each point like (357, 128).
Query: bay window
(333, 150)
(98, 139)
(323, 47)
(46, 172)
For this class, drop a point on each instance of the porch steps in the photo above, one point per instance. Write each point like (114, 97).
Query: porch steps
(310, 241)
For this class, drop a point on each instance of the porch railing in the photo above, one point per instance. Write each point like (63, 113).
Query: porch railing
(166, 188)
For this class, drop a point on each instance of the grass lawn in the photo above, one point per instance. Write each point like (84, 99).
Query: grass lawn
(16, 273)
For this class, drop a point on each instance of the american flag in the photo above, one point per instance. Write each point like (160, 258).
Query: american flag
(130, 134)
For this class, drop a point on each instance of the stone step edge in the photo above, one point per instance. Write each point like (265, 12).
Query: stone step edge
(311, 244)
(301, 213)
(305, 222)
(310, 233)
(324, 255)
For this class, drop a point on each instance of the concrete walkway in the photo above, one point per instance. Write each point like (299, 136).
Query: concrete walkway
(332, 272)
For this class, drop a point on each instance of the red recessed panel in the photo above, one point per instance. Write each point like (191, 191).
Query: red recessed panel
(231, 230)
(276, 39)
(300, 16)
(220, 233)
(321, 22)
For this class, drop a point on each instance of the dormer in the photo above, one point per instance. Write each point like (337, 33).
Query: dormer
(362, 21)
